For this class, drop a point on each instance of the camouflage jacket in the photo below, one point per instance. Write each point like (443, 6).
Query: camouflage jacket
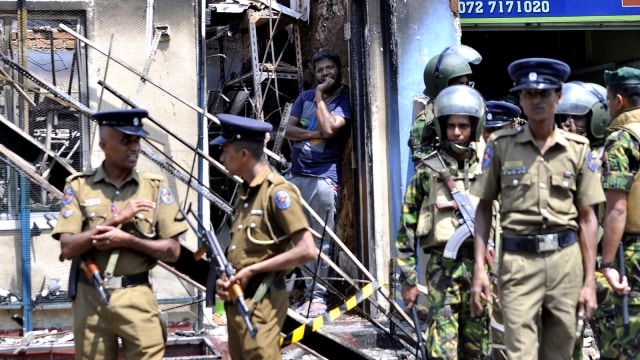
(422, 136)
(407, 244)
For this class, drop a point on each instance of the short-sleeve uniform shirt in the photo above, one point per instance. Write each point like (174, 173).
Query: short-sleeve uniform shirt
(268, 209)
(89, 199)
(540, 192)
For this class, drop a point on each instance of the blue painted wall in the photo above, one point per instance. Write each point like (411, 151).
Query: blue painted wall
(424, 28)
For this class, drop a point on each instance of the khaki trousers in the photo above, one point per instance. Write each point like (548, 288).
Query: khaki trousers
(540, 283)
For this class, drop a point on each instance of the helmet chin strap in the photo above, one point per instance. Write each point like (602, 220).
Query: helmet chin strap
(457, 148)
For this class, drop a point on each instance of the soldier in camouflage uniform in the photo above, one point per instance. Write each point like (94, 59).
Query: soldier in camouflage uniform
(584, 111)
(621, 182)
(450, 67)
(427, 223)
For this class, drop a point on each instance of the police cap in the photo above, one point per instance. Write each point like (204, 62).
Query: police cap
(623, 76)
(500, 113)
(128, 121)
(241, 128)
(538, 73)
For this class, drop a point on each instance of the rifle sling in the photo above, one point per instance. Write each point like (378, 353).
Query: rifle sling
(263, 288)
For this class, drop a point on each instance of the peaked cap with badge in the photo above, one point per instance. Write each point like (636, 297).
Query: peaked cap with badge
(538, 73)
(241, 128)
(623, 76)
(500, 113)
(128, 121)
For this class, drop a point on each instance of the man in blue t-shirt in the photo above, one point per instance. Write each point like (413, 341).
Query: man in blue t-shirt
(318, 132)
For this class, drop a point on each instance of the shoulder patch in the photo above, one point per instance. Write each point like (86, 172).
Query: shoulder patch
(282, 199)
(488, 154)
(166, 196)
(67, 196)
(592, 162)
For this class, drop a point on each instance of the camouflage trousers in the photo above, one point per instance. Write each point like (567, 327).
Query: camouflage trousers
(603, 322)
(629, 336)
(453, 334)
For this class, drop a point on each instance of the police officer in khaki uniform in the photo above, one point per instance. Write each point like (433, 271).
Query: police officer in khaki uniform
(270, 235)
(547, 179)
(124, 220)
(500, 115)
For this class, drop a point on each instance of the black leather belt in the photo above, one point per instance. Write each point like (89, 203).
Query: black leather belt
(119, 282)
(539, 243)
(255, 282)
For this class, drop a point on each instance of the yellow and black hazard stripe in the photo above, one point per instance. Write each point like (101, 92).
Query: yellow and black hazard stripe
(318, 322)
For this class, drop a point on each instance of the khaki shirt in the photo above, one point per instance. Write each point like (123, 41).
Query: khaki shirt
(540, 193)
(90, 199)
(266, 214)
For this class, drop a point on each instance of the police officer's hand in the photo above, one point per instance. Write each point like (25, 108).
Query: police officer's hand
(132, 207)
(243, 276)
(480, 292)
(587, 302)
(409, 295)
(613, 277)
(109, 237)
(222, 289)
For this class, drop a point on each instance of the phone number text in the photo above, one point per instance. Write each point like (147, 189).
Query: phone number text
(504, 7)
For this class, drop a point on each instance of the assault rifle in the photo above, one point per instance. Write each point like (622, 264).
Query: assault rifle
(461, 203)
(219, 262)
(93, 274)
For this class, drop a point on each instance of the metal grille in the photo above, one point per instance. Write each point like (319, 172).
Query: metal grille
(140, 55)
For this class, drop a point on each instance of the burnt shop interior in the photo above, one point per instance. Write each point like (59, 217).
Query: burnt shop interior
(589, 50)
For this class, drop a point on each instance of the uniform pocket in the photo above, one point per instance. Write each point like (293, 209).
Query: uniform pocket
(562, 190)
(516, 192)
(96, 215)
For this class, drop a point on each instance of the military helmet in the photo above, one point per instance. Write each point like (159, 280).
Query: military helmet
(459, 100)
(579, 98)
(450, 63)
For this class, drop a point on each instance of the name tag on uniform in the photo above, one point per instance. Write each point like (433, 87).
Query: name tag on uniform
(514, 168)
(256, 212)
(92, 202)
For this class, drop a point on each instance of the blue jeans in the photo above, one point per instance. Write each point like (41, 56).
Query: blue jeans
(322, 195)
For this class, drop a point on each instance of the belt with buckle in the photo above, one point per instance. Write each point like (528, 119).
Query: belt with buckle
(539, 243)
(119, 282)
(126, 281)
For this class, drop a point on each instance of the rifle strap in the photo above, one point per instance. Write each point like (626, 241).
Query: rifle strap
(111, 265)
(263, 288)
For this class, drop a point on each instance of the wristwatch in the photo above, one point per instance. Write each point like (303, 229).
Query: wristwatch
(605, 265)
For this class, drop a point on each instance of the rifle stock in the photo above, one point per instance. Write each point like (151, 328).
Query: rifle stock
(462, 202)
(93, 274)
(219, 262)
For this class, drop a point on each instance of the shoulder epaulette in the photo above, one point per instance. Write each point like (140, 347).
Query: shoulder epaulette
(275, 178)
(79, 175)
(575, 137)
(151, 176)
(507, 132)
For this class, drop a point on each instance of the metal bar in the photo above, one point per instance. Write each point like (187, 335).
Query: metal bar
(138, 73)
(255, 63)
